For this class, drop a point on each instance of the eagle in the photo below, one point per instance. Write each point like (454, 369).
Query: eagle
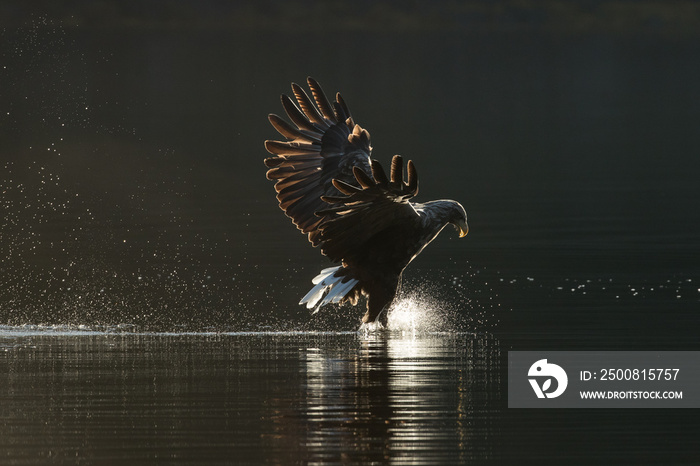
(337, 194)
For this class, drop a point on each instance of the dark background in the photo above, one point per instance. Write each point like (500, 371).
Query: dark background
(133, 189)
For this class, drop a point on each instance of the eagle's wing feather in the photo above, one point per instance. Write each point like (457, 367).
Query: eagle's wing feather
(350, 221)
(323, 144)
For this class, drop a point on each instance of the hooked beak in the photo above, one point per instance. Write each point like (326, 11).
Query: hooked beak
(463, 228)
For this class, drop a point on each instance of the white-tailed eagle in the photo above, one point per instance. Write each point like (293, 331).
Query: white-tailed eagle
(333, 191)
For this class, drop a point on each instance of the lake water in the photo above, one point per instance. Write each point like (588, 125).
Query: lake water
(149, 281)
(283, 398)
(77, 396)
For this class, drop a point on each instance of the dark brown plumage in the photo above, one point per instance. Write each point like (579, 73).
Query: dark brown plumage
(344, 201)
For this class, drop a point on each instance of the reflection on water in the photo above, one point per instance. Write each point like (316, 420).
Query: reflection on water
(417, 399)
(84, 396)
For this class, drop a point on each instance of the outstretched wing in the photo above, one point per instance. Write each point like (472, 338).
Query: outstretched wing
(323, 144)
(380, 204)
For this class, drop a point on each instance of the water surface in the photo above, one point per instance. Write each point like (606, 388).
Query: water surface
(95, 397)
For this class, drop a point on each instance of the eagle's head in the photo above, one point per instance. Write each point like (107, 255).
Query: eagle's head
(439, 213)
(458, 218)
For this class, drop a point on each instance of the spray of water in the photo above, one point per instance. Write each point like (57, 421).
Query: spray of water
(421, 311)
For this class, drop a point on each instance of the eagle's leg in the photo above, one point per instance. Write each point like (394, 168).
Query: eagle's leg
(377, 309)
(379, 300)
(383, 317)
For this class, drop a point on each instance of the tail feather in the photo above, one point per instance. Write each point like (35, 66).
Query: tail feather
(336, 293)
(328, 281)
(324, 273)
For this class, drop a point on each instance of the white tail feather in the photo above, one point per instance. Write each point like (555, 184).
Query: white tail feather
(337, 288)
(347, 287)
(314, 295)
(324, 273)
(327, 281)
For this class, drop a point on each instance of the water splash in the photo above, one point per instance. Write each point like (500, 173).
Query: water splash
(421, 312)
(368, 329)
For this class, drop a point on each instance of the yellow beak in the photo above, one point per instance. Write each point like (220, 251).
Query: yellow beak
(463, 229)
